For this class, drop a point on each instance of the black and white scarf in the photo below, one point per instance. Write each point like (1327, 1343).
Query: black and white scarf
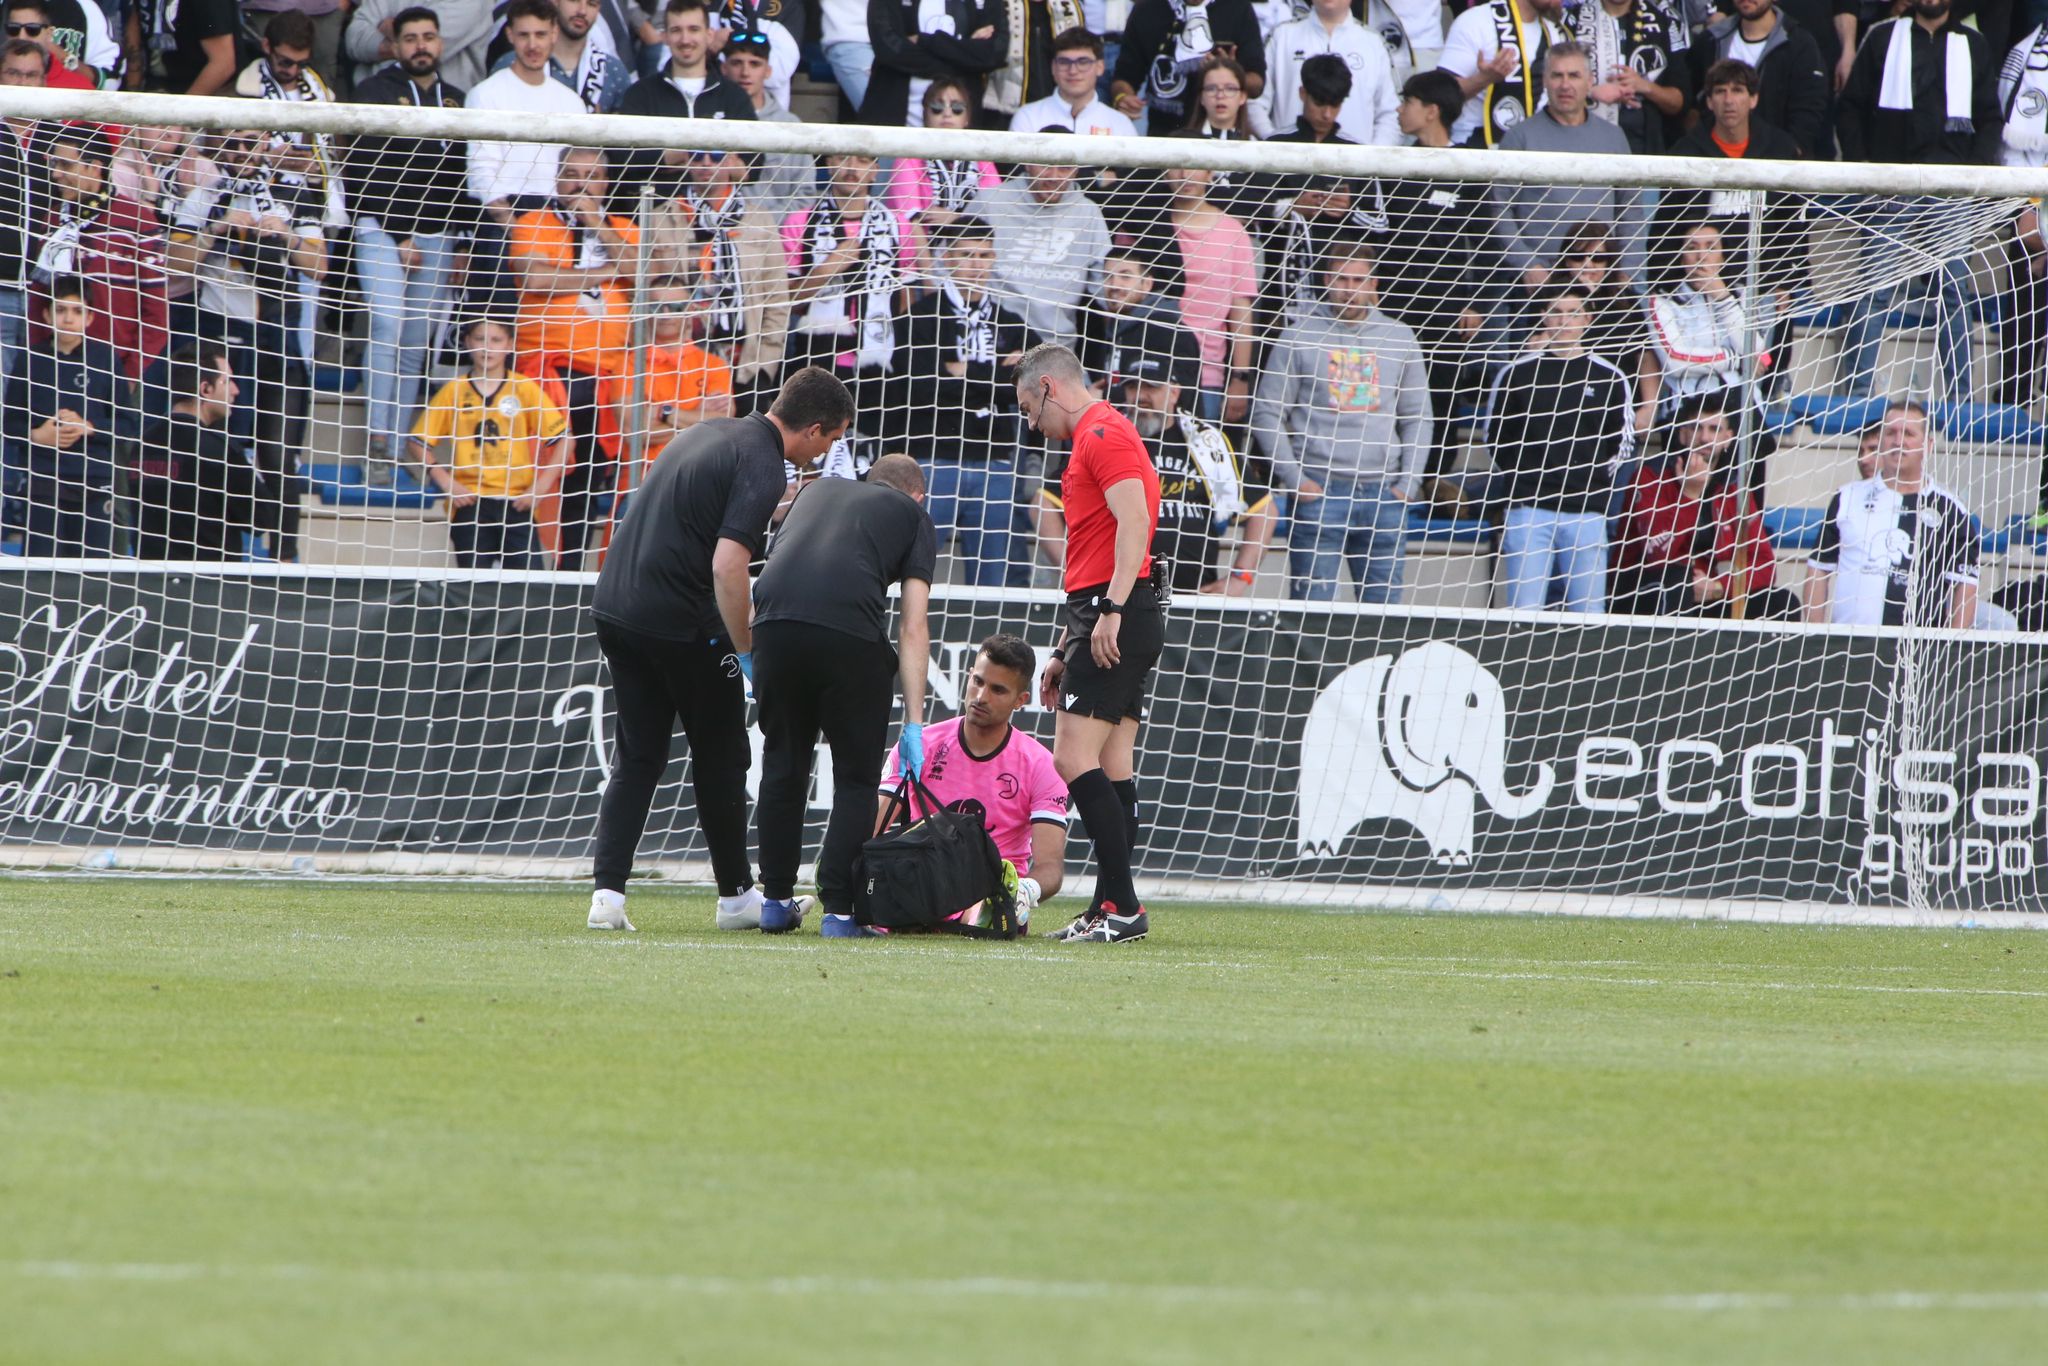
(1646, 38)
(1187, 46)
(310, 90)
(869, 311)
(724, 289)
(1515, 96)
(954, 183)
(974, 326)
(2023, 94)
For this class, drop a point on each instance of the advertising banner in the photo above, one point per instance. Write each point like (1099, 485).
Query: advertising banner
(1292, 744)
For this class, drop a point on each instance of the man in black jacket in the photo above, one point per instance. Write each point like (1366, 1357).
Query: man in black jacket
(412, 216)
(956, 353)
(63, 401)
(916, 43)
(1899, 105)
(1166, 42)
(1793, 81)
(1732, 131)
(24, 178)
(691, 86)
(195, 491)
(1563, 420)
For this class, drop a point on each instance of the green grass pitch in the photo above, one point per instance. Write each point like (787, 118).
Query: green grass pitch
(282, 1122)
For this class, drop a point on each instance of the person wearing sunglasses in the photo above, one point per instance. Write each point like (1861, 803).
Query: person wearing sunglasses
(933, 193)
(916, 42)
(31, 21)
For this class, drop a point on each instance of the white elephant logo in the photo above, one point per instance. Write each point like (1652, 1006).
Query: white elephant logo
(1410, 739)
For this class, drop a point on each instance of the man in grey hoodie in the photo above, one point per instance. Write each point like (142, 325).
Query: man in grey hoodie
(1344, 413)
(1050, 241)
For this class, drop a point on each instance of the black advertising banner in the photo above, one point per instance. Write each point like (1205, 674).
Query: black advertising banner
(1296, 746)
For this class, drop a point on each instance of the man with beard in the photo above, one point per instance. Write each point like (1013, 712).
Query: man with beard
(1202, 493)
(410, 210)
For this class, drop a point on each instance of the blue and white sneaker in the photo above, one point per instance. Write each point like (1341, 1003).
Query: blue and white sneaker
(845, 927)
(782, 917)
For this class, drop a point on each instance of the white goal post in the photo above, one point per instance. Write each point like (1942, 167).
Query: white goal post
(1528, 568)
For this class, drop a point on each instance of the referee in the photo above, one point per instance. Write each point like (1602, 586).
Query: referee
(821, 632)
(1115, 628)
(672, 620)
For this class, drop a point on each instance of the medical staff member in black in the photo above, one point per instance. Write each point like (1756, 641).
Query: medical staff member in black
(821, 635)
(673, 622)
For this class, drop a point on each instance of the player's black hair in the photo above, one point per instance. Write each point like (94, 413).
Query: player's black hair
(532, 9)
(813, 397)
(291, 28)
(1076, 38)
(1011, 652)
(1439, 89)
(414, 14)
(22, 47)
(191, 366)
(1325, 79)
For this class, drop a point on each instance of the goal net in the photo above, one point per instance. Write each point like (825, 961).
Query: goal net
(1546, 533)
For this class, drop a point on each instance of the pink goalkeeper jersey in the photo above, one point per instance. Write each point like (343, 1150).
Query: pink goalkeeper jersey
(1012, 788)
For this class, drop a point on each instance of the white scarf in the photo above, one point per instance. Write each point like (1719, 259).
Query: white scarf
(310, 90)
(1895, 90)
(2023, 94)
(974, 334)
(724, 285)
(953, 183)
(880, 246)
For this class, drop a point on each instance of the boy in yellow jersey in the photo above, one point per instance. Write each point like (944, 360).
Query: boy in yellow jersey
(506, 451)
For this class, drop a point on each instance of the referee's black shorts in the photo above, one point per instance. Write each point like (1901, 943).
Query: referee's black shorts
(1114, 694)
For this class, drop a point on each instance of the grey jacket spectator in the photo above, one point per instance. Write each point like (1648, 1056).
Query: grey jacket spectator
(1533, 220)
(1050, 241)
(1795, 90)
(1345, 397)
(466, 32)
(1942, 127)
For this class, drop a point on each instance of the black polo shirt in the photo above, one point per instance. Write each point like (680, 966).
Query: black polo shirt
(841, 546)
(720, 480)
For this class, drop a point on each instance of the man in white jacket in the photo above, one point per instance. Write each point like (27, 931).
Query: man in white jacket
(1370, 114)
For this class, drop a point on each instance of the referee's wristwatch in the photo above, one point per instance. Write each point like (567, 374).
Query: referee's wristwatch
(1104, 605)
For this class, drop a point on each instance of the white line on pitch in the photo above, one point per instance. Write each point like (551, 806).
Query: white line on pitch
(1005, 1287)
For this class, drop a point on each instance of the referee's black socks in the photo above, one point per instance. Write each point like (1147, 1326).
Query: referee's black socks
(1127, 793)
(1109, 829)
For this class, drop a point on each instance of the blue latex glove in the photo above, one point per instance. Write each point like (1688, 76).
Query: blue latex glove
(910, 750)
(746, 662)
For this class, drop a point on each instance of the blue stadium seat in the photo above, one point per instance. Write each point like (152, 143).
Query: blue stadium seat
(1833, 414)
(343, 486)
(1794, 528)
(1990, 424)
(336, 379)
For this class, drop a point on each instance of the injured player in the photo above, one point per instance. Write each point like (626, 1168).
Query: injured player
(979, 762)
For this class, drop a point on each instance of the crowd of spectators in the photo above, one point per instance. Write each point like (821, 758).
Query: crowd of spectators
(1308, 354)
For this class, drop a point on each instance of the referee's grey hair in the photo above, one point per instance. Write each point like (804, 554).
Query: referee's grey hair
(1050, 360)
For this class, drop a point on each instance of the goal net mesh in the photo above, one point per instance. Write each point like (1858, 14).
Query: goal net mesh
(1545, 544)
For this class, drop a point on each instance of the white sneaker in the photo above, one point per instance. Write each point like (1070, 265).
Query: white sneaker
(608, 912)
(742, 912)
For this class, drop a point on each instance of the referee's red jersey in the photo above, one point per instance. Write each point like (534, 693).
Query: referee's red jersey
(1107, 451)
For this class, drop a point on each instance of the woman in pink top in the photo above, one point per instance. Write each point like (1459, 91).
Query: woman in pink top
(932, 194)
(1216, 304)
